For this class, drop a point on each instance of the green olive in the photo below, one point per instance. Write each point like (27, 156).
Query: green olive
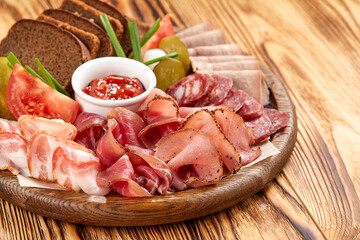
(168, 72)
(174, 44)
(5, 72)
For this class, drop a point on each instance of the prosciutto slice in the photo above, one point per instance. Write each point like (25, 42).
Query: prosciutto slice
(29, 124)
(40, 152)
(192, 157)
(204, 121)
(119, 177)
(8, 126)
(13, 154)
(242, 138)
(129, 125)
(208, 38)
(152, 133)
(77, 170)
(188, 111)
(110, 147)
(91, 127)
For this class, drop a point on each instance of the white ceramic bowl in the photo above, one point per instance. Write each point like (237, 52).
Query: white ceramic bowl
(103, 67)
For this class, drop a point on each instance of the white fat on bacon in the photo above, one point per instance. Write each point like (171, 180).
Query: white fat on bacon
(13, 154)
(29, 124)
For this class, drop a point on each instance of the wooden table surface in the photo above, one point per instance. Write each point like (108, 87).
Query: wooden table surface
(314, 49)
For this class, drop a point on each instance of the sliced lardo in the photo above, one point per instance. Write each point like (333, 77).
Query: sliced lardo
(77, 170)
(192, 157)
(242, 138)
(8, 126)
(204, 121)
(13, 153)
(29, 124)
(90, 127)
(110, 148)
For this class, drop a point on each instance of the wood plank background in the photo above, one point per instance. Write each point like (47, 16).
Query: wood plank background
(314, 48)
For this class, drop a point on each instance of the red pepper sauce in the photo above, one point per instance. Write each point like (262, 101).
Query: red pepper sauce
(114, 87)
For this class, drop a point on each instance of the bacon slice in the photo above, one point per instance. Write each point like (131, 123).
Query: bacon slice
(40, 152)
(29, 124)
(152, 133)
(110, 148)
(242, 138)
(119, 178)
(91, 127)
(129, 123)
(204, 121)
(77, 170)
(192, 157)
(13, 153)
(8, 126)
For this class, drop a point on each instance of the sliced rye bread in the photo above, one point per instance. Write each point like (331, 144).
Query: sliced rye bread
(58, 50)
(93, 14)
(113, 12)
(85, 24)
(91, 41)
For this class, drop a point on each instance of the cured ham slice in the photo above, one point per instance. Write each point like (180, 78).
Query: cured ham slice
(202, 27)
(152, 133)
(119, 178)
(221, 59)
(158, 108)
(246, 106)
(188, 111)
(192, 157)
(110, 147)
(129, 124)
(208, 38)
(190, 89)
(204, 121)
(13, 154)
(155, 175)
(247, 64)
(216, 50)
(155, 92)
(242, 138)
(8, 126)
(77, 170)
(29, 124)
(40, 152)
(91, 127)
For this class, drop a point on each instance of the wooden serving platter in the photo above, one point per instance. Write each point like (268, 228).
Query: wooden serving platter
(114, 210)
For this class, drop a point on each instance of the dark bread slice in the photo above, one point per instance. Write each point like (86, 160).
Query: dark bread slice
(58, 50)
(113, 12)
(91, 41)
(93, 14)
(85, 24)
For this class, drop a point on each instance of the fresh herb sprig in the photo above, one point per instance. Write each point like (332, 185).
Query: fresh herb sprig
(110, 32)
(135, 42)
(170, 55)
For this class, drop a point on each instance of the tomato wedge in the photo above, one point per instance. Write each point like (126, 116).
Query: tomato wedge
(166, 29)
(27, 94)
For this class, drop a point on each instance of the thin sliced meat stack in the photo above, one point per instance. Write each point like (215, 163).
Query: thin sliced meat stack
(192, 157)
(208, 38)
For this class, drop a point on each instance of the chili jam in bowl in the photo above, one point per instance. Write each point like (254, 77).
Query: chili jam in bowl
(128, 80)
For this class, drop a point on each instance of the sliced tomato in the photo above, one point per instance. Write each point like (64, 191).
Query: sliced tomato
(166, 29)
(27, 94)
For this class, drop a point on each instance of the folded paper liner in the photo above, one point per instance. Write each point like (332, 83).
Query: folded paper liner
(267, 149)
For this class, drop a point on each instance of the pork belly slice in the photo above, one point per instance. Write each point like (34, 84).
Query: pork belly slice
(248, 64)
(209, 38)
(29, 124)
(241, 137)
(119, 178)
(202, 27)
(77, 170)
(9, 126)
(246, 80)
(205, 122)
(216, 50)
(13, 153)
(222, 58)
(91, 127)
(111, 146)
(129, 125)
(192, 157)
